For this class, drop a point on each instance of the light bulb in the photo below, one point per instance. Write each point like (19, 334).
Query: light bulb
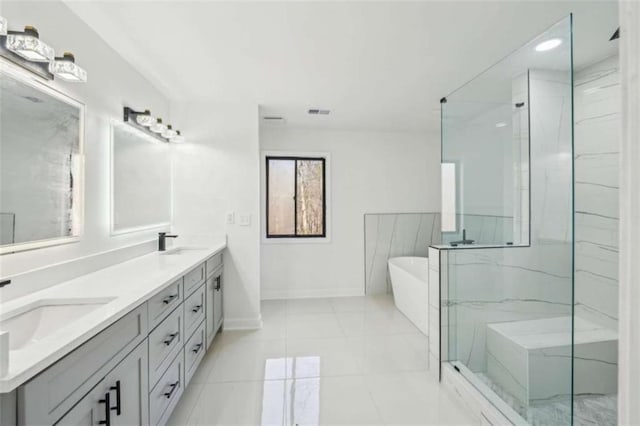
(158, 127)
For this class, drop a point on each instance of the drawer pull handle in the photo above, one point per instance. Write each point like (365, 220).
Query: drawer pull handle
(171, 338)
(197, 348)
(218, 282)
(107, 410)
(169, 299)
(173, 386)
(118, 406)
(196, 308)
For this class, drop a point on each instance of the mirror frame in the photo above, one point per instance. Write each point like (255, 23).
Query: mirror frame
(152, 226)
(78, 213)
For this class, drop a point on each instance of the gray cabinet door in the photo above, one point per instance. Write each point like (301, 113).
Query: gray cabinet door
(89, 411)
(210, 290)
(217, 302)
(120, 399)
(127, 385)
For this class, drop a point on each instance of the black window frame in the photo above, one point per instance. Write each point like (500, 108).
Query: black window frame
(295, 205)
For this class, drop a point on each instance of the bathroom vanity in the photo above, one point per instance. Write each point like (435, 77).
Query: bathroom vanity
(140, 330)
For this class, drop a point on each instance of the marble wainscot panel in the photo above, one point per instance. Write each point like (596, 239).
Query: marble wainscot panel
(394, 235)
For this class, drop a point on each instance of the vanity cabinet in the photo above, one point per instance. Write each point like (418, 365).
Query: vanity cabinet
(135, 371)
(121, 398)
(48, 396)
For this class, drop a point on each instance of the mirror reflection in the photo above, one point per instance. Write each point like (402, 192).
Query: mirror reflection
(40, 164)
(141, 180)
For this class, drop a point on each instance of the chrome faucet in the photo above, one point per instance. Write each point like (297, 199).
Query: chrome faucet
(463, 240)
(162, 240)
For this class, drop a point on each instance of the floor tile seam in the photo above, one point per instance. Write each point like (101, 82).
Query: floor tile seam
(238, 381)
(195, 404)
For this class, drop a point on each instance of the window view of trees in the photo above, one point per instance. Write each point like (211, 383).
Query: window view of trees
(295, 197)
(310, 197)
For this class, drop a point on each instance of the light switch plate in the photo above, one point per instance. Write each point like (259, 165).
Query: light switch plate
(245, 219)
(231, 218)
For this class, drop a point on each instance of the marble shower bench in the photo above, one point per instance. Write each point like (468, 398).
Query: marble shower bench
(532, 359)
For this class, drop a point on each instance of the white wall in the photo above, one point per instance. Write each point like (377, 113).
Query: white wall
(371, 172)
(215, 172)
(112, 84)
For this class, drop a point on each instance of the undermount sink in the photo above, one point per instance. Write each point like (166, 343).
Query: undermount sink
(44, 317)
(181, 250)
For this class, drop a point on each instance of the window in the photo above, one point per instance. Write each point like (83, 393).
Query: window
(296, 205)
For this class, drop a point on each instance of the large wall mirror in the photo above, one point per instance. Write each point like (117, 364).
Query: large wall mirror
(141, 196)
(41, 163)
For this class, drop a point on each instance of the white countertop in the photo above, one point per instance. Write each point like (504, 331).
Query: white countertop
(128, 284)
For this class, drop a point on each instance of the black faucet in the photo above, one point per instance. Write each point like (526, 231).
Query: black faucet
(162, 240)
(463, 240)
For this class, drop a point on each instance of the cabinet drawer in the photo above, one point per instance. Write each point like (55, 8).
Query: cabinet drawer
(213, 262)
(164, 343)
(164, 302)
(194, 310)
(165, 395)
(194, 351)
(49, 395)
(193, 279)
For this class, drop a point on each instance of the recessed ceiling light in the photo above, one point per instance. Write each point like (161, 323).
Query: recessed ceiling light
(548, 45)
(501, 124)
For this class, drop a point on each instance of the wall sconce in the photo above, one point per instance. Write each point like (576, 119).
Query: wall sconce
(65, 67)
(144, 121)
(25, 49)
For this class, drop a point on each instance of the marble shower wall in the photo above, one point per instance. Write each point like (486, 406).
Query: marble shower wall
(597, 120)
(388, 235)
(483, 229)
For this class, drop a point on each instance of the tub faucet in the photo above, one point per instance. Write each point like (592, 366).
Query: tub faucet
(162, 240)
(463, 240)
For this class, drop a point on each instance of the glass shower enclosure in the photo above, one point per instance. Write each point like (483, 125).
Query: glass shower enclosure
(507, 295)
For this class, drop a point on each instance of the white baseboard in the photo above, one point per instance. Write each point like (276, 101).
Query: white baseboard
(294, 293)
(243, 323)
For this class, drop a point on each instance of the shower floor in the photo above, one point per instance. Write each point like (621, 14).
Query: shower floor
(598, 410)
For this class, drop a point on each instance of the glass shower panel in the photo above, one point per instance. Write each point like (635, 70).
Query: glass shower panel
(507, 300)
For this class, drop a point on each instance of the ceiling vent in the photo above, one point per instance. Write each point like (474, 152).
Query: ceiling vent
(315, 111)
(273, 119)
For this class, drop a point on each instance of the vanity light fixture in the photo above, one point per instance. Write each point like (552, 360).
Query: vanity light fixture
(4, 26)
(153, 126)
(65, 67)
(548, 45)
(28, 45)
(24, 48)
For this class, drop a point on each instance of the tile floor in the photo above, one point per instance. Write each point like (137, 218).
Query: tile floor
(320, 361)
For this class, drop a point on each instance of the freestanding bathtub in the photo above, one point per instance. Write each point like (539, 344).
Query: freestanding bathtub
(410, 284)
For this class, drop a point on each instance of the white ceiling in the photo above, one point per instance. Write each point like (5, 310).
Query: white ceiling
(376, 65)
